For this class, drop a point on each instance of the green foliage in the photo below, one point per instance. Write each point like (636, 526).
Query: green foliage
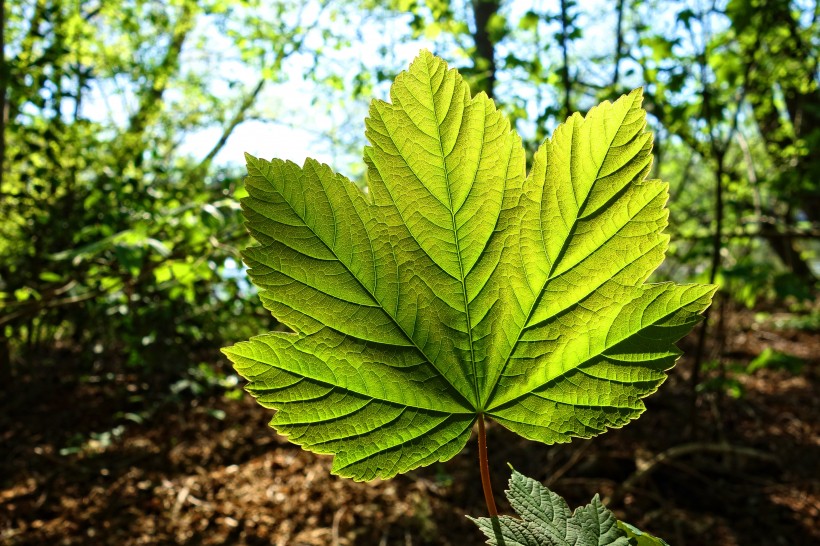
(723, 377)
(640, 538)
(546, 520)
(204, 378)
(776, 360)
(807, 319)
(457, 286)
(113, 235)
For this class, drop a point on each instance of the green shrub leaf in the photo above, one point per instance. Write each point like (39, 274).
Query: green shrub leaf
(639, 538)
(546, 520)
(456, 285)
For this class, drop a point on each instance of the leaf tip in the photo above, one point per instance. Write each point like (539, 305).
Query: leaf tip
(425, 53)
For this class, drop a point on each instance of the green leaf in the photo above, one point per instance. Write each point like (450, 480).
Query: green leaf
(50, 276)
(546, 520)
(775, 360)
(638, 537)
(456, 285)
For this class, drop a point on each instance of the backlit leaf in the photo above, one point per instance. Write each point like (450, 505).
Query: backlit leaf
(457, 284)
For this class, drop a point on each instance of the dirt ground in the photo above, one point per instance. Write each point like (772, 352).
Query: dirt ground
(83, 460)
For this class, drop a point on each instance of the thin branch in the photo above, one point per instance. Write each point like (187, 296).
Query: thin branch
(619, 44)
(241, 114)
(483, 12)
(573, 460)
(646, 468)
(564, 39)
(151, 95)
(238, 118)
(750, 172)
(3, 90)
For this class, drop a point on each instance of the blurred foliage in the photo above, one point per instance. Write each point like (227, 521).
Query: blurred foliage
(725, 376)
(732, 90)
(806, 319)
(775, 360)
(115, 239)
(121, 241)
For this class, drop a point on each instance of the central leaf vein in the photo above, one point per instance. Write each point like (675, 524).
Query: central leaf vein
(456, 238)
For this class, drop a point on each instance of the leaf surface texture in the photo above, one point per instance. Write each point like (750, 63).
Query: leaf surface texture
(457, 284)
(546, 520)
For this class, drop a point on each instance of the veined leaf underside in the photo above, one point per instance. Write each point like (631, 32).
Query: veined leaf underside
(460, 285)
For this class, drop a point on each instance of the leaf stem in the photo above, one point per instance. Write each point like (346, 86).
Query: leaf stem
(485, 468)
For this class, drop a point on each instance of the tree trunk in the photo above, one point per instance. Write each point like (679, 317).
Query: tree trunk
(5, 361)
(484, 62)
(564, 39)
(717, 246)
(4, 82)
(619, 45)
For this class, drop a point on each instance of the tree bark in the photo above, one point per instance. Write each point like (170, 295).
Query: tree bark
(717, 246)
(4, 83)
(619, 45)
(5, 353)
(150, 102)
(484, 63)
(5, 360)
(564, 40)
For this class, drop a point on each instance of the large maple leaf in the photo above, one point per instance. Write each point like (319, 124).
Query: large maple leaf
(457, 286)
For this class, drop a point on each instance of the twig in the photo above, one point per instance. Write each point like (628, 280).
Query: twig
(182, 496)
(647, 468)
(337, 519)
(383, 541)
(573, 460)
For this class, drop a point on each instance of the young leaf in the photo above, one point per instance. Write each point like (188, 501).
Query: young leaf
(546, 520)
(640, 538)
(456, 285)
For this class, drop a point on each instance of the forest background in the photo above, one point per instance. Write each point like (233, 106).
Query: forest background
(123, 128)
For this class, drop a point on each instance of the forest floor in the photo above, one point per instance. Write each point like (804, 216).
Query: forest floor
(102, 459)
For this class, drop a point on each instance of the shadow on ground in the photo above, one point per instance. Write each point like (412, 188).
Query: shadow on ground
(109, 460)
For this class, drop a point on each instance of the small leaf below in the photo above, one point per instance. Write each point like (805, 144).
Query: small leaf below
(546, 520)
